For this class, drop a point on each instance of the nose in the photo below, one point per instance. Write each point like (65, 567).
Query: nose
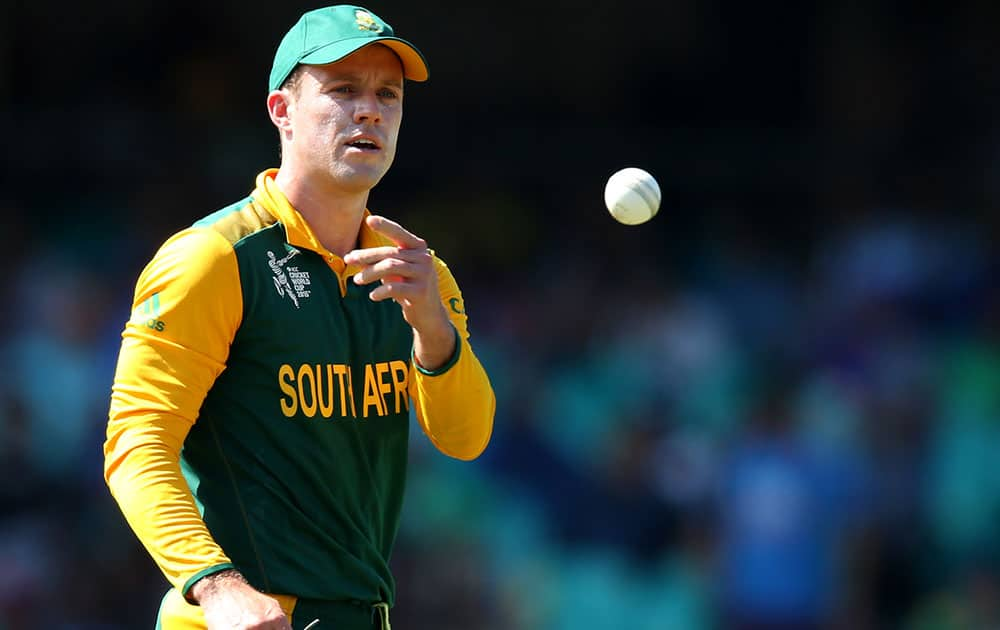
(367, 108)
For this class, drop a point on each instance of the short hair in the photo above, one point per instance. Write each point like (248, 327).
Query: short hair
(294, 79)
(291, 83)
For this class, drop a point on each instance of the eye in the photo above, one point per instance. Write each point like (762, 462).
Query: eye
(340, 88)
(388, 93)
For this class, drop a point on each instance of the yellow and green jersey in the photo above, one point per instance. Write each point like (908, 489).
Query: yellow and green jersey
(260, 408)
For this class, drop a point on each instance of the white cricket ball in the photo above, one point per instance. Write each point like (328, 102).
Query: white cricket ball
(632, 196)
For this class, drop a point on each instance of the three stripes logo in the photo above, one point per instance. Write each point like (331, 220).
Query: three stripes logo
(150, 312)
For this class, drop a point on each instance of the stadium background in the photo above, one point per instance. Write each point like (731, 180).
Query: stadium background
(797, 360)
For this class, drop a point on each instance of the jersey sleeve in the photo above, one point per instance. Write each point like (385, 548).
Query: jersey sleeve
(455, 403)
(187, 307)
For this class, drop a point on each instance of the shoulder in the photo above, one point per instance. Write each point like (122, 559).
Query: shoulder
(190, 256)
(238, 221)
(208, 245)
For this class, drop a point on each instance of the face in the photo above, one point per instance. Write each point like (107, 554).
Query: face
(342, 120)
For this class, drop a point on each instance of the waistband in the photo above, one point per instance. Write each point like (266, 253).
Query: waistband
(339, 615)
(176, 613)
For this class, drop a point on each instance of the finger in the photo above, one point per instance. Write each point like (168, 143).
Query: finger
(369, 255)
(384, 292)
(395, 232)
(392, 268)
(388, 269)
(393, 290)
(372, 255)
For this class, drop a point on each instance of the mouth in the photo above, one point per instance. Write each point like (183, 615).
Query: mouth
(364, 144)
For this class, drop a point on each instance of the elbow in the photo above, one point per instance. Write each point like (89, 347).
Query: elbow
(469, 454)
(129, 455)
(112, 461)
(472, 443)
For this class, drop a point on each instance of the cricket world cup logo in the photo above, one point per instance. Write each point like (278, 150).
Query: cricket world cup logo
(289, 280)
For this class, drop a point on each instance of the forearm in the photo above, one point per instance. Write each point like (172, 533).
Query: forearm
(143, 473)
(435, 345)
(451, 392)
(211, 585)
(455, 404)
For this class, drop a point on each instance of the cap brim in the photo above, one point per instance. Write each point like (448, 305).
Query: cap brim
(414, 65)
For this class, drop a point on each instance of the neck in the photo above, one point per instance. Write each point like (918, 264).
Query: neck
(334, 215)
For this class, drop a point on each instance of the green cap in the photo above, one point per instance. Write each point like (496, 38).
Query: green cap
(329, 34)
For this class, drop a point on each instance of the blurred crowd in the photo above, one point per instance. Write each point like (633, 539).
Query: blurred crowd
(775, 406)
(753, 446)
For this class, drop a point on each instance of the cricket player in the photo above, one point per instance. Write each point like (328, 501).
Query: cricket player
(257, 434)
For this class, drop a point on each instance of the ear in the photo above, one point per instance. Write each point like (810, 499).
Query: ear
(280, 106)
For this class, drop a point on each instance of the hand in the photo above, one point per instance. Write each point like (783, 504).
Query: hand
(407, 275)
(406, 272)
(230, 603)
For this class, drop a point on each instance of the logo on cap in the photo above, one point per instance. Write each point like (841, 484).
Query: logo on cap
(366, 22)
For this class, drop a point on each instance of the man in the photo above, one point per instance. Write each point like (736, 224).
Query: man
(257, 439)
